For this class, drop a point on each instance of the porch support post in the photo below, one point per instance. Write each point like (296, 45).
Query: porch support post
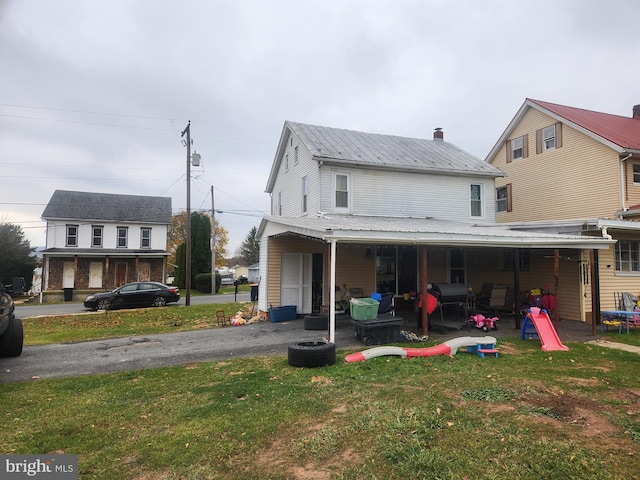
(516, 285)
(332, 292)
(595, 291)
(556, 273)
(424, 316)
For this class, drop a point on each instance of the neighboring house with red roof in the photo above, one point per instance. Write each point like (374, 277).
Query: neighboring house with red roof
(99, 241)
(570, 170)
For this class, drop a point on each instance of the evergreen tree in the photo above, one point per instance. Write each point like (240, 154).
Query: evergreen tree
(200, 250)
(250, 248)
(15, 255)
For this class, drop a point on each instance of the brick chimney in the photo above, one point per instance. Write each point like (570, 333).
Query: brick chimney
(438, 134)
(636, 112)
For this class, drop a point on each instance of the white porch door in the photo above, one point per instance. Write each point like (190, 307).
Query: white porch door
(95, 275)
(68, 275)
(295, 281)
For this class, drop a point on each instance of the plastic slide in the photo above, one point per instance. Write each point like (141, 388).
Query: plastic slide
(450, 347)
(546, 331)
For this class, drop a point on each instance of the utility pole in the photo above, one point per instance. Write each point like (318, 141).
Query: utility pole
(213, 245)
(187, 299)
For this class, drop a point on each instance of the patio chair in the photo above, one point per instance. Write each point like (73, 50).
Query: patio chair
(497, 301)
(222, 319)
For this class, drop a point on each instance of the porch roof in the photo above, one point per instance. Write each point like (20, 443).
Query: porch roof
(421, 231)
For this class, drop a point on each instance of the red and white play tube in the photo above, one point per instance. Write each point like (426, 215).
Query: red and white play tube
(450, 347)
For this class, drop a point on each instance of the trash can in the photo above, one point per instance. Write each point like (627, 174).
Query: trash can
(68, 294)
(254, 292)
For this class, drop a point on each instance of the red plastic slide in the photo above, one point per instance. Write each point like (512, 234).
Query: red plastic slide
(546, 332)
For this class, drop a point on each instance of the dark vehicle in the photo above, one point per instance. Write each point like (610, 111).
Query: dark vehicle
(11, 334)
(136, 294)
(242, 280)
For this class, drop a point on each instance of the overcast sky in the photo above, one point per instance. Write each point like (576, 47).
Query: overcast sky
(94, 94)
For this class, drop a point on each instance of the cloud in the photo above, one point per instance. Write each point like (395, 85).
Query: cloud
(115, 82)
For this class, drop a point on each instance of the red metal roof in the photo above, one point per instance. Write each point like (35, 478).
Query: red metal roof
(623, 131)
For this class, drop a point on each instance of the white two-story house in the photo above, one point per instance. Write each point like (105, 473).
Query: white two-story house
(385, 213)
(98, 241)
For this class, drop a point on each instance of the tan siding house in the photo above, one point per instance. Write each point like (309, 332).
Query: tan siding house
(576, 171)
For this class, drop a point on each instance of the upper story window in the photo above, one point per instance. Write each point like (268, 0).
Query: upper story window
(96, 235)
(286, 163)
(636, 173)
(342, 191)
(122, 237)
(72, 236)
(295, 155)
(279, 205)
(503, 198)
(627, 256)
(517, 148)
(475, 197)
(305, 192)
(549, 138)
(145, 237)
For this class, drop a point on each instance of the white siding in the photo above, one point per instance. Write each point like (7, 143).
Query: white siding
(57, 235)
(289, 182)
(410, 194)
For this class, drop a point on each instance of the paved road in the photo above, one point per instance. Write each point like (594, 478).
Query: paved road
(32, 310)
(150, 351)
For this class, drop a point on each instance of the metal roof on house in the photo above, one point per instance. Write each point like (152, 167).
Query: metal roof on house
(421, 231)
(617, 132)
(108, 207)
(388, 151)
(371, 150)
(623, 131)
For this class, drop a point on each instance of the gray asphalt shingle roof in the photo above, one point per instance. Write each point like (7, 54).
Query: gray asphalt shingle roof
(389, 151)
(69, 205)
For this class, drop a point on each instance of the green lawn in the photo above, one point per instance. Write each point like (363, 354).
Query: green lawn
(528, 414)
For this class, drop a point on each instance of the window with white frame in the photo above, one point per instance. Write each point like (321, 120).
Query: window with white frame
(305, 192)
(279, 205)
(286, 163)
(475, 196)
(342, 191)
(501, 199)
(636, 173)
(96, 235)
(145, 237)
(549, 137)
(627, 256)
(295, 155)
(72, 236)
(122, 237)
(516, 148)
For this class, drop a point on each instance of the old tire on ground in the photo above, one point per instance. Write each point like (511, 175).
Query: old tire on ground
(312, 354)
(316, 321)
(12, 339)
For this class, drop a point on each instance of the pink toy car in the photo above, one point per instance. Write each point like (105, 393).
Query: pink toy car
(486, 324)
